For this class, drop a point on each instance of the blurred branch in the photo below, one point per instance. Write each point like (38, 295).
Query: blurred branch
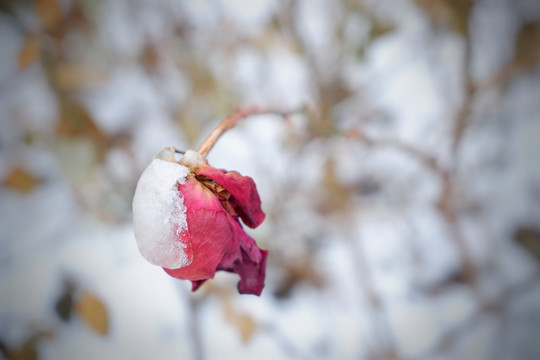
(381, 328)
(285, 343)
(497, 307)
(193, 322)
(463, 114)
(446, 202)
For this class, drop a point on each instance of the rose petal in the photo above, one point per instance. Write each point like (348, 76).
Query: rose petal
(197, 196)
(250, 265)
(245, 198)
(251, 274)
(211, 238)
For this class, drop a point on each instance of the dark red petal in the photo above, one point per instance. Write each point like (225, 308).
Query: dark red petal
(250, 265)
(211, 238)
(251, 274)
(245, 198)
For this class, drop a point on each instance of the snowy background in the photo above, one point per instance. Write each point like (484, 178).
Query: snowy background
(399, 175)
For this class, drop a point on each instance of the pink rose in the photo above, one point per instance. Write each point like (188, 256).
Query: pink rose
(202, 232)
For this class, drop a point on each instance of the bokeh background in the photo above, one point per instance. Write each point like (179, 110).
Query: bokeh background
(398, 170)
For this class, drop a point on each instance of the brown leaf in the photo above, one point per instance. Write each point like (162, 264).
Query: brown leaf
(21, 180)
(73, 77)
(93, 312)
(49, 11)
(529, 238)
(29, 53)
(64, 303)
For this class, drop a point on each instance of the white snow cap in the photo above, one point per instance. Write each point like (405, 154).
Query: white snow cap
(159, 214)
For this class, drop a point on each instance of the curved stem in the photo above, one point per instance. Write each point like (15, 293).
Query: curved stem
(230, 121)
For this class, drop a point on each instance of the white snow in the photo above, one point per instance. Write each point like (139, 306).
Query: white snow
(159, 214)
(192, 158)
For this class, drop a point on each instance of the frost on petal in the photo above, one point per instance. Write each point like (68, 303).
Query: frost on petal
(159, 215)
(212, 238)
(245, 198)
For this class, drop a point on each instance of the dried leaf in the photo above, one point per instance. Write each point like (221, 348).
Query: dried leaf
(336, 196)
(49, 11)
(244, 323)
(527, 45)
(21, 180)
(454, 14)
(29, 53)
(461, 13)
(93, 312)
(29, 349)
(379, 28)
(76, 122)
(64, 304)
(297, 272)
(529, 239)
(74, 77)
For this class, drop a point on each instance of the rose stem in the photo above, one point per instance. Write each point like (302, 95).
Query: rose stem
(230, 121)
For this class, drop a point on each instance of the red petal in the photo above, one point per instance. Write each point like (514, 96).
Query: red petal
(211, 238)
(245, 198)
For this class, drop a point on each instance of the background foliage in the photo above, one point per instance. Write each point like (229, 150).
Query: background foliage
(398, 172)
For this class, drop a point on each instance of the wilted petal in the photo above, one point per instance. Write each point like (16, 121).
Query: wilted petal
(245, 198)
(195, 284)
(250, 265)
(251, 273)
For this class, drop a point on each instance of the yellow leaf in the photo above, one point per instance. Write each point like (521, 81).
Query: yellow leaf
(21, 180)
(93, 312)
(246, 326)
(29, 52)
(49, 11)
